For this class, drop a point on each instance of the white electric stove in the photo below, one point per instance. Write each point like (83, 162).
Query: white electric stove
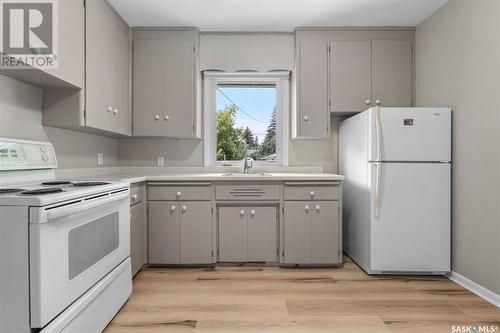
(64, 248)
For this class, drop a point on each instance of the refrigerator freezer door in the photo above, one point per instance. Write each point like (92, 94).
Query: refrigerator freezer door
(412, 230)
(410, 134)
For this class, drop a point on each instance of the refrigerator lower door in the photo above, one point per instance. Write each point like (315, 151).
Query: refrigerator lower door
(410, 233)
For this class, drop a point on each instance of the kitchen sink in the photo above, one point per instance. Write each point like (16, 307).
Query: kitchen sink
(241, 174)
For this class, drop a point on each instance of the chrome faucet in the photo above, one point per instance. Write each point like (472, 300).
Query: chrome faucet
(247, 163)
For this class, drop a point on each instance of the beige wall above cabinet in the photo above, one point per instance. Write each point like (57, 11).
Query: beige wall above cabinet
(345, 71)
(165, 83)
(103, 105)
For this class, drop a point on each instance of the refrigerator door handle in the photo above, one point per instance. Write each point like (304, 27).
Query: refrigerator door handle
(378, 133)
(378, 176)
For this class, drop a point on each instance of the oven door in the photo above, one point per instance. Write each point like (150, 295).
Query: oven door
(72, 247)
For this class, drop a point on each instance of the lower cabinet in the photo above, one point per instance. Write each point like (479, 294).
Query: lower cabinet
(247, 234)
(311, 232)
(180, 232)
(137, 229)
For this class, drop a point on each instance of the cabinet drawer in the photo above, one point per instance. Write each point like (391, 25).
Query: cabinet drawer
(179, 192)
(312, 192)
(136, 195)
(247, 192)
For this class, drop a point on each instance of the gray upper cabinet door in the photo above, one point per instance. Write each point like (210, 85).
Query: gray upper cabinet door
(325, 232)
(71, 53)
(107, 69)
(392, 73)
(313, 114)
(350, 76)
(137, 237)
(164, 232)
(262, 236)
(179, 89)
(233, 234)
(164, 87)
(196, 232)
(149, 88)
(297, 232)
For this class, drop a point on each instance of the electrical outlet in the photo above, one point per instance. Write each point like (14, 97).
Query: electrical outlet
(100, 158)
(160, 161)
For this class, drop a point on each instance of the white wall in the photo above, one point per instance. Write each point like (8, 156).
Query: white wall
(458, 65)
(232, 52)
(21, 118)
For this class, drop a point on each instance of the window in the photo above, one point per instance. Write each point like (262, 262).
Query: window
(246, 112)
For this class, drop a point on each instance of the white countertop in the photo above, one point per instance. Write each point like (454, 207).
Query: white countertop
(136, 178)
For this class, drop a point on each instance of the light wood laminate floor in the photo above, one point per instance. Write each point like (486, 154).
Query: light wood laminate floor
(271, 299)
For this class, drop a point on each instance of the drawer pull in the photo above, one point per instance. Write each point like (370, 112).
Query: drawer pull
(312, 193)
(306, 207)
(134, 196)
(242, 212)
(172, 208)
(317, 207)
(252, 212)
(184, 208)
(178, 194)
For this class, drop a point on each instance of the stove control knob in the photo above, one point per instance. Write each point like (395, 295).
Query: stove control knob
(45, 158)
(43, 149)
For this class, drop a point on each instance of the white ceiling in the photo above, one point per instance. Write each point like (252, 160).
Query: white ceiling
(274, 15)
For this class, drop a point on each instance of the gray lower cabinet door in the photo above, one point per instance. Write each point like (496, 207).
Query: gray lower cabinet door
(325, 232)
(392, 73)
(137, 237)
(350, 76)
(164, 232)
(313, 114)
(196, 232)
(262, 240)
(233, 234)
(149, 87)
(297, 232)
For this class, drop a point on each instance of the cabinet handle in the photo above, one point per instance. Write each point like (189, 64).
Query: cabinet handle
(378, 102)
(252, 212)
(317, 207)
(157, 117)
(306, 207)
(167, 117)
(312, 193)
(306, 118)
(115, 111)
(367, 102)
(178, 194)
(242, 212)
(109, 108)
(134, 196)
(172, 208)
(184, 208)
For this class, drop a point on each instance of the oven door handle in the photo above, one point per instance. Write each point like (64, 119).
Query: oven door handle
(59, 212)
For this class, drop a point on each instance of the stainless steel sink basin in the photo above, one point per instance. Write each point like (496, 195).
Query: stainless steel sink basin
(241, 174)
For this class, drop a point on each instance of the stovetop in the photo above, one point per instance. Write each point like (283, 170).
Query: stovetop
(53, 191)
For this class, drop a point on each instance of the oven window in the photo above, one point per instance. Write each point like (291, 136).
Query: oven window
(90, 242)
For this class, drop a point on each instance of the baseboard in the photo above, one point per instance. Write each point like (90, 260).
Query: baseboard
(481, 291)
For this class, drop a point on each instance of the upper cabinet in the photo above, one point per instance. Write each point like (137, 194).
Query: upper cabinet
(347, 71)
(108, 69)
(102, 105)
(165, 81)
(70, 72)
(312, 85)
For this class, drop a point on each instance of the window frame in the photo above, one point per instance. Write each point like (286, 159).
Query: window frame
(281, 80)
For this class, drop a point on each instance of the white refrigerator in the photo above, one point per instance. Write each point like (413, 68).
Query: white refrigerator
(397, 190)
